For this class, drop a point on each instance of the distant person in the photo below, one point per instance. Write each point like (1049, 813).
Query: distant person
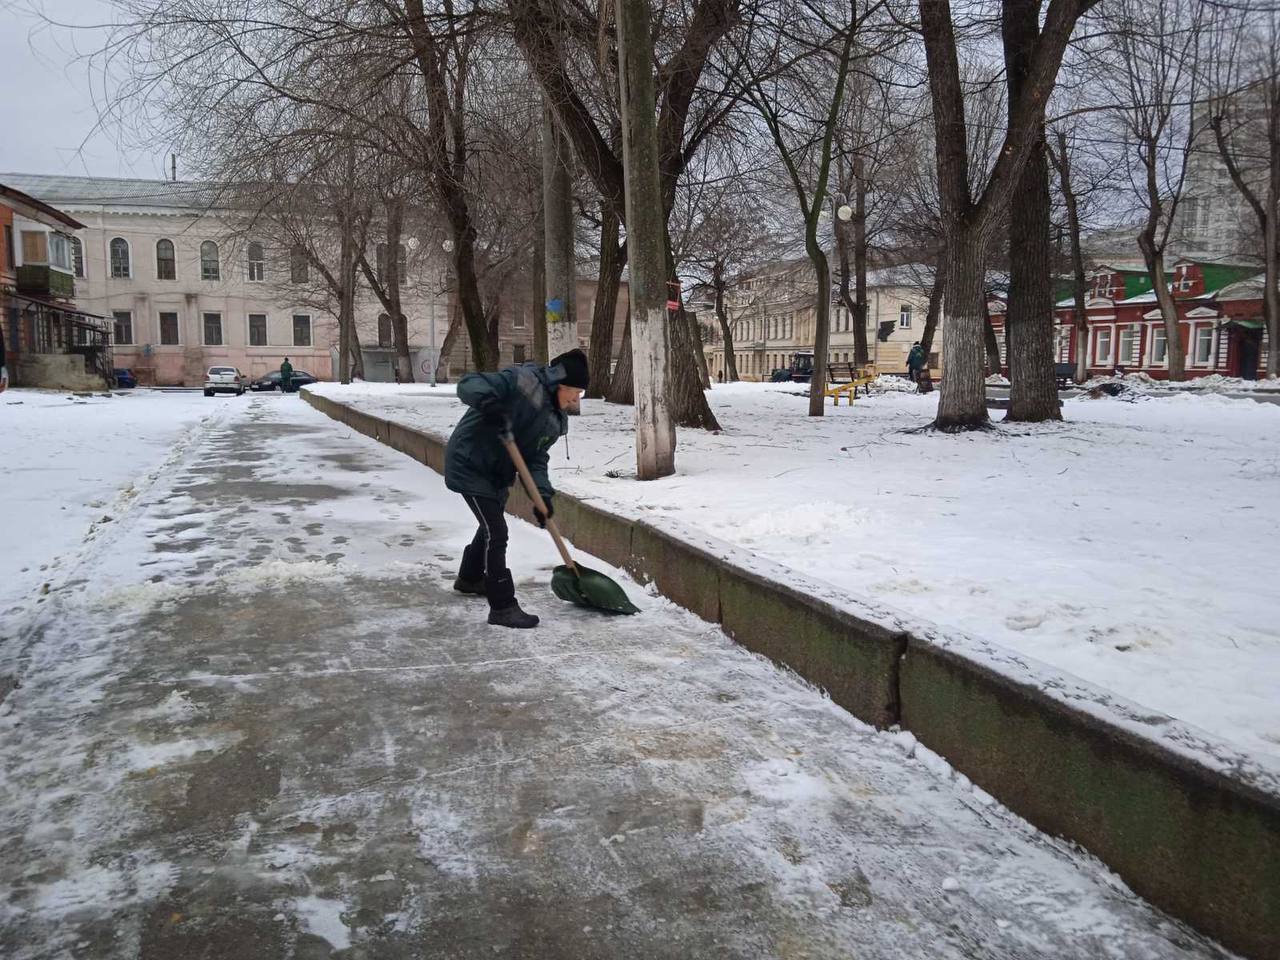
(720, 376)
(4, 371)
(915, 362)
(286, 376)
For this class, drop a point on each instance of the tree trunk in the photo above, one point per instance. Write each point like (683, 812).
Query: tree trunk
(357, 354)
(963, 404)
(613, 257)
(1153, 256)
(718, 283)
(648, 245)
(989, 339)
(1062, 161)
(538, 301)
(934, 311)
(446, 348)
(621, 385)
(1028, 326)
(557, 218)
(860, 352)
(1271, 293)
(821, 328)
(345, 318)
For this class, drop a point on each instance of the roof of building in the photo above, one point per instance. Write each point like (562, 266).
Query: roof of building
(66, 190)
(17, 196)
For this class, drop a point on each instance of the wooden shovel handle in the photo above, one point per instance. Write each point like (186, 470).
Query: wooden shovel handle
(535, 495)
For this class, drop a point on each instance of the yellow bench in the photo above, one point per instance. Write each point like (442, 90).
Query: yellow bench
(846, 378)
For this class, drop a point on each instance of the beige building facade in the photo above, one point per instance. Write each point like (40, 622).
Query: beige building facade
(184, 289)
(772, 316)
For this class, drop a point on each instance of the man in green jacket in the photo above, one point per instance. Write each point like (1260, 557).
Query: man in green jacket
(530, 402)
(286, 376)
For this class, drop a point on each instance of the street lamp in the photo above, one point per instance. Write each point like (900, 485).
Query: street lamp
(447, 246)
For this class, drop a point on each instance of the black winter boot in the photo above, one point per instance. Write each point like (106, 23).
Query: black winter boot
(504, 611)
(470, 577)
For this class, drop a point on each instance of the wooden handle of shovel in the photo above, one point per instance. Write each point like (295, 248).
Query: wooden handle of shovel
(535, 495)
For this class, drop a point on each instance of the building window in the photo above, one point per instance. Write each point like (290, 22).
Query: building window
(1159, 345)
(35, 246)
(120, 266)
(384, 330)
(257, 329)
(904, 317)
(298, 268)
(77, 257)
(402, 264)
(1204, 345)
(257, 263)
(60, 251)
(213, 329)
(517, 320)
(123, 327)
(166, 261)
(518, 353)
(169, 329)
(301, 330)
(1102, 347)
(1129, 345)
(209, 268)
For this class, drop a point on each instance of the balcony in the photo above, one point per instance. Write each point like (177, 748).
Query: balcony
(43, 280)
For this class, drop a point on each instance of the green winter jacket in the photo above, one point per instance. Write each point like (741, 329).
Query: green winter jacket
(915, 359)
(476, 463)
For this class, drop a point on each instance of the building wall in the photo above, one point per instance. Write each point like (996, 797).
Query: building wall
(767, 333)
(234, 297)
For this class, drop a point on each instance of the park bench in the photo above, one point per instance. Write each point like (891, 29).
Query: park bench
(1064, 373)
(846, 378)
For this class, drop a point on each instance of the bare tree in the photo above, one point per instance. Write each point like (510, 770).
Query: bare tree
(968, 222)
(1153, 58)
(1243, 108)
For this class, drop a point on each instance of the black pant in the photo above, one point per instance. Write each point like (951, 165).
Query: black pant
(486, 555)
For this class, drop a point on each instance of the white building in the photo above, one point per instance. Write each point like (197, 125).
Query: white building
(185, 291)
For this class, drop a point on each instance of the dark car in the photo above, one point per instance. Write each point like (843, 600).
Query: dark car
(124, 378)
(272, 380)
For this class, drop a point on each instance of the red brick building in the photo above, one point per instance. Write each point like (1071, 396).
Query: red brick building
(1220, 320)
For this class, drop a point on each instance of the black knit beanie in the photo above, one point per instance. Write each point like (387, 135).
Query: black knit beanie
(575, 368)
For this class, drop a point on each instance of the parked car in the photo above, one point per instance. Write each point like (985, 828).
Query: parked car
(223, 380)
(272, 380)
(124, 378)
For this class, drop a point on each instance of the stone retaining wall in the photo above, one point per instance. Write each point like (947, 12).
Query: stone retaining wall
(1201, 844)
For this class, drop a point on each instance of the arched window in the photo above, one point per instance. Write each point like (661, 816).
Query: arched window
(209, 269)
(257, 262)
(77, 257)
(166, 261)
(120, 266)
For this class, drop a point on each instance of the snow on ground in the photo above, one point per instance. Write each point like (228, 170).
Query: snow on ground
(1132, 546)
(1213, 383)
(69, 462)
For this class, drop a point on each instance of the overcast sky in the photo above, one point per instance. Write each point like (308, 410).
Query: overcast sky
(47, 109)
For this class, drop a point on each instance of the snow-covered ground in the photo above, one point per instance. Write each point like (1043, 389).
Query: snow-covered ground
(1213, 383)
(68, 462)
(1133, 546)
(266, 728)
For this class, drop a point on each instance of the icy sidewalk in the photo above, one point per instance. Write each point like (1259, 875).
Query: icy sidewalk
(268, 729)
(1131, 546)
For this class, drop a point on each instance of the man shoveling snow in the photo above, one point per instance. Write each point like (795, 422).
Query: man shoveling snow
(532, 403)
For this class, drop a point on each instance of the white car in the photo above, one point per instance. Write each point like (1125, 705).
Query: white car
(223, 380)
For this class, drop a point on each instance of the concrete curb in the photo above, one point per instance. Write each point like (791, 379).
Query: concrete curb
(1199, 839)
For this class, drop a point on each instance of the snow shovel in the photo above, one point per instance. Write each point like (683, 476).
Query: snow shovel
(572, 581)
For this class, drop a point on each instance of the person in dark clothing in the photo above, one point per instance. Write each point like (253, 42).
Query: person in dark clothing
(915, 361)
(286, 376)
(4, 370)
(530, 403)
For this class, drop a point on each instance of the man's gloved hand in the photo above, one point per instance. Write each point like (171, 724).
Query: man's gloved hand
(495, 414)
(541, 517)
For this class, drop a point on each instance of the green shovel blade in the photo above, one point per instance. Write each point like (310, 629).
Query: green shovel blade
(590, 588)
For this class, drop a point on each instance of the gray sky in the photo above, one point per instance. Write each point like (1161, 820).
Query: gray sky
(47, 111)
